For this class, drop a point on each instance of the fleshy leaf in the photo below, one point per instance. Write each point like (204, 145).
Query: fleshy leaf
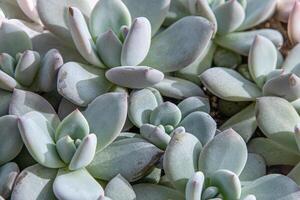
(286, 86)
(262, 59)
(5, 98)
(244, 122)
(202, 63)
(180, 159)
(109, 15)
(257, 12)
(166, 113)
(8, 175)
(141, 104)
(34, 182)
(292, 60)
(13, 39)
(255, 168)
(228, 184)
(277, 118)
(34, 125)
(66, 148)
(155, 135)
(23, 102)
(117, 184)
(136, 156)
(106, 116)
(12, 10)
(84, 153)
(135, 77)
(155, 11)
(7, 64)
(82, 37)
(8, 83)
(46, 40)
(180, 44)
(56, 20)
(202, 8)
(11, 142)
(81, 181)
(137, 42)
(178, 88)
(240, 42)
(47, 77)
(192, 104)
(210, 192)
(201, 125)
(230, 15)
(226, 58)
(74, 125)
(29, 9)
(27, 67)
(270, 187)
(273, 153)
(152, 191)
(194, 186)
(229, 149)
(111, 56)
(229, 85)
(80, 83)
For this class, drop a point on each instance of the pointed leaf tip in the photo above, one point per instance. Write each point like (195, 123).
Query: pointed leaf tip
(137, 42)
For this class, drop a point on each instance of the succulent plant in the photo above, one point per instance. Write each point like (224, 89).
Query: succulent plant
(68, 155)
(157, 119)
(110, 99)
(232, 20)
(269, 80)
(218, 170)
(135, 58)
(23, 68)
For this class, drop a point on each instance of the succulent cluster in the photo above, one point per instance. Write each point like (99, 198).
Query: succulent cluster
(149, 99)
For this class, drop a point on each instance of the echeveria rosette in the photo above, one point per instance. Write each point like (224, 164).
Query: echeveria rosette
(69, 156)
(23, 68)
(266, 80)
(232, 20)
(219, 169)
(123, 50)
(157, 119)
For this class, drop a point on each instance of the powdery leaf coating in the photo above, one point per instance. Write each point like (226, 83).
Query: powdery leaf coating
(135, 77)
(180, 44)
(34, 182)
(226, 151)
(67, 182)
(180, 159)
(270, 187)
(11, 142)
(155, 11)
(229, 85)
(106, 116)
(229, 15)
(277, 118)
(133, 158)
